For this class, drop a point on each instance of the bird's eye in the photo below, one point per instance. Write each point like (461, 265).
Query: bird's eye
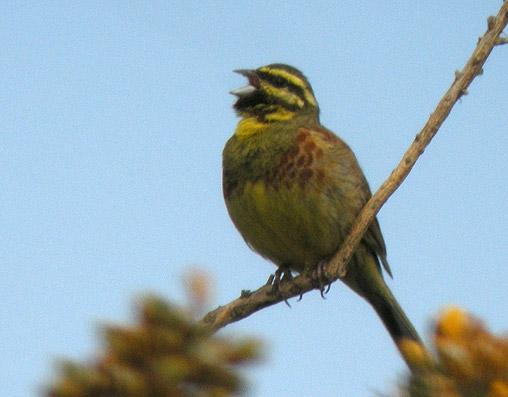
(279, 82)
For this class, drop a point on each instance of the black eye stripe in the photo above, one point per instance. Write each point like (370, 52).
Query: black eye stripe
(279, 82)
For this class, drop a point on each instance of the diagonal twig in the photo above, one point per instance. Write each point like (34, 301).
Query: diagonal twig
(473, 67)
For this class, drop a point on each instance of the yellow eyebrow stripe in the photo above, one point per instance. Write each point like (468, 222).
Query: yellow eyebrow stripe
(293, 80)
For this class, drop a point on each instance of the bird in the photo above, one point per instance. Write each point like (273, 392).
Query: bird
(293, 189)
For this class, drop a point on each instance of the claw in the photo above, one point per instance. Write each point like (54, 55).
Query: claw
(282, 274)
(320, 280)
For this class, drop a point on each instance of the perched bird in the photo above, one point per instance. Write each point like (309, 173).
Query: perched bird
(293, 188)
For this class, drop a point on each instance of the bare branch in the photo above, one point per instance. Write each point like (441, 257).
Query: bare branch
(473, 67)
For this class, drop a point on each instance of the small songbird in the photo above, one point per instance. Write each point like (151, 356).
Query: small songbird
(293, 188)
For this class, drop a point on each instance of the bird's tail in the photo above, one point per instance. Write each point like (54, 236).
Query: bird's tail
(365, 278)
(393, 317)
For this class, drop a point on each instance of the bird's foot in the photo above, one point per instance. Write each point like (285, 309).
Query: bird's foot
(282, 274)
(319, 278)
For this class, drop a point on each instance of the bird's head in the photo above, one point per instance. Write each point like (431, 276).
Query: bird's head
(275, 92)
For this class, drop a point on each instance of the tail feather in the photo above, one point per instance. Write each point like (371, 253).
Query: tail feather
(393, 317)
(365, 278)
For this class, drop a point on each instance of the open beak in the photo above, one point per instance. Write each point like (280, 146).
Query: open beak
(249, 88)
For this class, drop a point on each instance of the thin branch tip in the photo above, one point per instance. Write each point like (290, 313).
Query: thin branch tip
(502, 40)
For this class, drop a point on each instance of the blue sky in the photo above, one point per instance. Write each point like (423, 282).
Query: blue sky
(114, 115)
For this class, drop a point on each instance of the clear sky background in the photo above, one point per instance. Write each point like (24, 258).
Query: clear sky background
(113, 117)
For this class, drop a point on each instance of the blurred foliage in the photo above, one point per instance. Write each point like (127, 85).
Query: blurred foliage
(166, 354)
(469, 361)
(169, 354)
